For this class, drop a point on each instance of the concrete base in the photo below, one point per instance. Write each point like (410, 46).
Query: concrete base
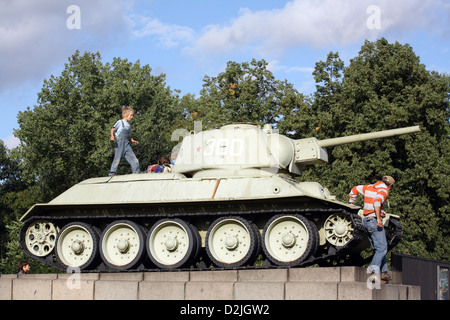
(336, 283)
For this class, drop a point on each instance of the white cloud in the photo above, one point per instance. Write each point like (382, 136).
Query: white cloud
(11, 142)
(316, 23)
(275, 66)
(34, 35)
(167, 35)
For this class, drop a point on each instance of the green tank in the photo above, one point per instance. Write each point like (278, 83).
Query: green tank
(231, 196)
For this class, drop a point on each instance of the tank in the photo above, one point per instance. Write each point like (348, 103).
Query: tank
(230, 200)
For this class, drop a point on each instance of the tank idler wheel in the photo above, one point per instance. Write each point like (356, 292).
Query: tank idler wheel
(231, 242)
(173, 243)
(122, 245)
(289, 239)
(77, 245)
(40, 238)
(338, 229)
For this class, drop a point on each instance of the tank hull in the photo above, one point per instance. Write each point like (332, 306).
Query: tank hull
(169, 188)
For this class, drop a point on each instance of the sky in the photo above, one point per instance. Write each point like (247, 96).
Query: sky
(188, 39)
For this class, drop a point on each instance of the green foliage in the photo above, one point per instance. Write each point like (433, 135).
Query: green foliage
(15, 195)
(65, 137)
(387, 87)
(8, 264)
(244, 92)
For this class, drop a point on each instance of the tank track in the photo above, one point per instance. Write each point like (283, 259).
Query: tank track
(338, 255)
(396, 234)
(322, 259)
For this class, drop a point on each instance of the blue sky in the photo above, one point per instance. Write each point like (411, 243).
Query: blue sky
(187, 39)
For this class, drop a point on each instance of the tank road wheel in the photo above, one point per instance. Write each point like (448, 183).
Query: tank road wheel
(122, 245)
(289, 239)
(77, 245)
(231, 242)
(172, 243)
(338, 229)
(40, 238)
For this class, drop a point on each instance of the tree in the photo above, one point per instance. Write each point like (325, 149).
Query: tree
(14, 254)
(65, 138)
(244, 92)
(15, 195)
(387, 87)
(305, 117)
(328, 75)
(10, 172)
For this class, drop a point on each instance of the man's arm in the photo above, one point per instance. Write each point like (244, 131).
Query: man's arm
(378, 214)
(354, 192)
(378, 201)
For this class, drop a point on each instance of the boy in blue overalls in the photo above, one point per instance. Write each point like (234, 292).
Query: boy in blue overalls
(121, 134)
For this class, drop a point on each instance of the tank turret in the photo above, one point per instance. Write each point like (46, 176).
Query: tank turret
(240, 149)
(230, 200)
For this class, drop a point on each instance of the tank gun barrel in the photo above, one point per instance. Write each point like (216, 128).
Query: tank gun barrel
(367, 136)
(312, 151)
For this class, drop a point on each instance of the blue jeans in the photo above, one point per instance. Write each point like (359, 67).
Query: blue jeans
(377, 239)
(122, 149)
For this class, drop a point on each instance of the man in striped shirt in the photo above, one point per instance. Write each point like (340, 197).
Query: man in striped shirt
(374, 197)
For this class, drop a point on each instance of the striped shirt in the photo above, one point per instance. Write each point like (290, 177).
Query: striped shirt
(374, 196)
